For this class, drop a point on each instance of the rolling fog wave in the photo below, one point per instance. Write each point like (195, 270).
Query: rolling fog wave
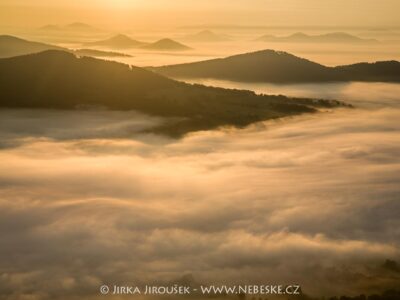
(308, 199)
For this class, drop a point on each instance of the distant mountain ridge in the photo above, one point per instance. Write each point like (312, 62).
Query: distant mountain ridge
(13, 46)
(332, 37)
(60, 80)
(280, 67)
(207, 36)
(122, 41)
(165, 45)
(119, 41)
(77, 26)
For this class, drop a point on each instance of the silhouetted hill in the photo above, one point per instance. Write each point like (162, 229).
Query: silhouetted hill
(265, 65)
(80, 27)
(13, 46)
(207, 36)
(333, 37)
(119, 41)
(124, 42)
(60, 80)
(166, 45)
(280, 67)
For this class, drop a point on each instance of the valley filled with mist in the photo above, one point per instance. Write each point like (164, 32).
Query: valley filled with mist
(198, 153)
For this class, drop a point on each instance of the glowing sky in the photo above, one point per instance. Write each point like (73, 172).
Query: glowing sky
(188, 12)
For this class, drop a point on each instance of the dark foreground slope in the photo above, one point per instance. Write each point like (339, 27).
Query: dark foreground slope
(281, 67)
(60, 80)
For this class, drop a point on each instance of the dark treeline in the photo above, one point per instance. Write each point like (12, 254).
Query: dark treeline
(332, 37)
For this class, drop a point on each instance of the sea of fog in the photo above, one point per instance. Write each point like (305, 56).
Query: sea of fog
(87, 199)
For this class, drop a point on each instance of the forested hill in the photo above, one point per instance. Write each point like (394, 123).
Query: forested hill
(281, 67)
(60, 80)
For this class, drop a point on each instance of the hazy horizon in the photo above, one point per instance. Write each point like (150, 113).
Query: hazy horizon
(117, 15)
(241, 22)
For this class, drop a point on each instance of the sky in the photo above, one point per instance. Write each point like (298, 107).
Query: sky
(172, 13)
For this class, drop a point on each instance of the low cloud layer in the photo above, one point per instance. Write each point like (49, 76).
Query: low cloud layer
(312, 199)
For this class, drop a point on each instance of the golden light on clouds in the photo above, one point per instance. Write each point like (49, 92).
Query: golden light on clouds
(215, 202)
(93, 193)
